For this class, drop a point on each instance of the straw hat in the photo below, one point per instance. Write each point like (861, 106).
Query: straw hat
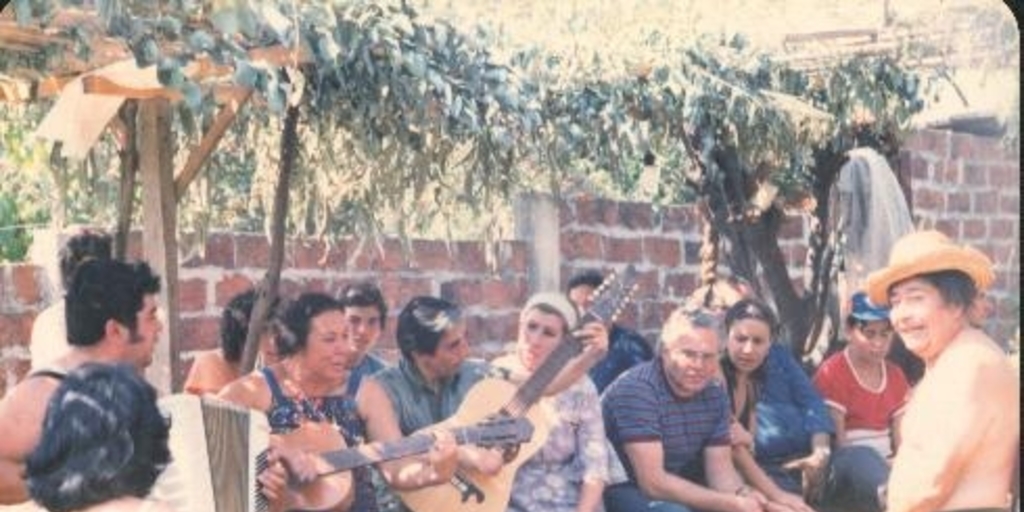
(556, 301)
(924, 252)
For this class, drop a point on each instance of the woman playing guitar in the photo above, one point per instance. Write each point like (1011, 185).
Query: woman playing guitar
(309, 411)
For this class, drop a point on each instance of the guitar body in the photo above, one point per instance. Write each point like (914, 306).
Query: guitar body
(484, 399)
(330, 493)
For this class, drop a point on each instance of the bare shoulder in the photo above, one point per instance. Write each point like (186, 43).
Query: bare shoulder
(250, 390)
(22, 412)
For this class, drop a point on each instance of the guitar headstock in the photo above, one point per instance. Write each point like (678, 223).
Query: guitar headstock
(609, 299)
(502, 431)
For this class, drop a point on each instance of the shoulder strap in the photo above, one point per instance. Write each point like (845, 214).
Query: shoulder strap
(52, 374)
(277, 395)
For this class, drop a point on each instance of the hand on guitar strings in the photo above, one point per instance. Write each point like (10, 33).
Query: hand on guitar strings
(287, 467)
(443, 455)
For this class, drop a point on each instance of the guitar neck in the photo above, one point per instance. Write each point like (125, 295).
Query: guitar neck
(531, 390)
(372, 453)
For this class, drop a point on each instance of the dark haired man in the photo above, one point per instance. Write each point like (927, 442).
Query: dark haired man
(366, 314)
(961, 429)
(112, 316)
(435, 373)
(49, 336)
(626, 347)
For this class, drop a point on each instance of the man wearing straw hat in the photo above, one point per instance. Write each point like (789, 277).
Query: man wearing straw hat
(961, 428)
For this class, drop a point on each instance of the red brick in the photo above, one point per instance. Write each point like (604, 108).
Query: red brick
(597, 212)
(470, 257)
(25, 280)
(938, 142)
(1005, 177)
(920, 169)
(431, 255)
(975, 175)
(986, 202)
(501, 328)
(949, 227)
(318, 285)
(973, 229)
(393, 257)
(627, 250)
(963, 146)
(192, 295)
(502, 293)
(653, 315)
(252, 251)
(1010, 203)
(679, 285)
(229, 286)
(398, 290)
(949, 173)
(1002, 229)
(679, 218)
(16, 329)
(581, 245)
(290, 288)
(465, 292)
(199, 333)
(306, 254)
(220, 250)
(662, 251)
(929, 199)
(636, 215)
(958, 202)
(19, 368)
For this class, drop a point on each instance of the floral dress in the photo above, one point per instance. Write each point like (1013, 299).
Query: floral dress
(576, 451)
(286, 414)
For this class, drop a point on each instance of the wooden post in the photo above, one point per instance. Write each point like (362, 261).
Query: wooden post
(159, 225)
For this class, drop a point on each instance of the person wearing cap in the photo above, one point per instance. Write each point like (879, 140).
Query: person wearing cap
(570, 471)
(960, 430)
(865, 394)
(435, 373)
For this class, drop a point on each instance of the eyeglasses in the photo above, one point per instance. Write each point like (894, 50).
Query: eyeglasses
(694, 356)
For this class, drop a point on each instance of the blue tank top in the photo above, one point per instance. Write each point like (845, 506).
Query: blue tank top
(287, 414)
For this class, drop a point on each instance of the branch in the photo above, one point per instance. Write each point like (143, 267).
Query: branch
(267, 290)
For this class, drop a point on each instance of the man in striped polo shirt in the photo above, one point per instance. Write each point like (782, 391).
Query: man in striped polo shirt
(669, 424)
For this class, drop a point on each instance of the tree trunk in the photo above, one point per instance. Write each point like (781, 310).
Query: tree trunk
(267, 290)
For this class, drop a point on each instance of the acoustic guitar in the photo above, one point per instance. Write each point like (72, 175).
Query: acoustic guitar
(331, 490)
(472, 491)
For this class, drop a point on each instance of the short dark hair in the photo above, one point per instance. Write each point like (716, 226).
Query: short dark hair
(751, 308)
(422, 323)
(234, 323)
(591, 278)
(103, 290)
(955, 287)
(103, 438)
(363, 295)
(293, 324)
(82, 246)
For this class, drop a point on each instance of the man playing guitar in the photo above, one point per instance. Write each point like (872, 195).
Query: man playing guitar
(435, 374)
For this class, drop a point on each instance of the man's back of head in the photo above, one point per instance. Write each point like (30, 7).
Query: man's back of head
(82, 245)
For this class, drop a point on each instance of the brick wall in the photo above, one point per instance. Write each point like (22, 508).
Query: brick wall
(966, 186)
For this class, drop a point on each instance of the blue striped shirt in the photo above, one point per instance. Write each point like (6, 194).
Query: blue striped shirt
(639, 406)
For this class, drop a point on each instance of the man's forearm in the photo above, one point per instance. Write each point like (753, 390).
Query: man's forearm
(12, 485)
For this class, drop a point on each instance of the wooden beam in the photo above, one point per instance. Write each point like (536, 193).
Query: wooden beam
(200, 152)
(159, 218)
(96, 84)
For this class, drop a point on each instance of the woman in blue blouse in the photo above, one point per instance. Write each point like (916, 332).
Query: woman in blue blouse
(783, 429)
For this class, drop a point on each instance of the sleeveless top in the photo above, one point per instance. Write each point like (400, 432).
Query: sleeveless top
(417, 405)
(286, 414)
